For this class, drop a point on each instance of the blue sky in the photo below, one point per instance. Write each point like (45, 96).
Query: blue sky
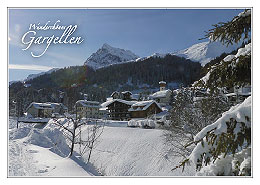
(143, 31)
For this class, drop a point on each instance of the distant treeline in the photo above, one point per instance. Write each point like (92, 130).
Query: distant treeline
(78, 80)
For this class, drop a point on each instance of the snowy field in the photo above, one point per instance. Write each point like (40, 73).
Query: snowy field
(134, 152)
(41, 150)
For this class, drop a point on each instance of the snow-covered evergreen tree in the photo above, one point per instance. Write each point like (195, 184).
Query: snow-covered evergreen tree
(233, 70)
(224, 147)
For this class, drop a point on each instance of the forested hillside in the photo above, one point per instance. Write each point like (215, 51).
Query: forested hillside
(76, 81)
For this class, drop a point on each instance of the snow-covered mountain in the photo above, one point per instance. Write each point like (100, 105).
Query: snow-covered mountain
(205, 51)
(202, 52)
(32, 76)
(108, 55)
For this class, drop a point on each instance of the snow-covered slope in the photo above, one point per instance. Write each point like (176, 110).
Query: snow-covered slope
(205, 51)
(41, 150)
(108, 55)
(32, 76)
(124, 151)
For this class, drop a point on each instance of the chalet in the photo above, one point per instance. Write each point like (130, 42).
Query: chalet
(163, 97)
(45, 110)
(116, 95)
(125, 95)
(87, 109)
(118, 109)
(143, 109)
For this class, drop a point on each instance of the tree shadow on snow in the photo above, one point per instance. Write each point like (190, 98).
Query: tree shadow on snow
(88, 167)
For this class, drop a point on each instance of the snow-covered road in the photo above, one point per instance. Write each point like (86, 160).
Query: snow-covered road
(26, 159)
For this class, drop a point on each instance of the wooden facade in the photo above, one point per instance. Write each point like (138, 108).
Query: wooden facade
(118, 110)
(140, 112)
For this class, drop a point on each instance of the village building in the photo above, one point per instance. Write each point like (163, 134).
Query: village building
(45, 110)
(125, 95)
(164, 96)
(116, 95)
(136, 97)
(103, 113)
(143, 109)
(118, 109)
(87, 109)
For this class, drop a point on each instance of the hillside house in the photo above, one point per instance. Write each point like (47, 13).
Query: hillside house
(87, 109)
(45, 110)
(143, 109)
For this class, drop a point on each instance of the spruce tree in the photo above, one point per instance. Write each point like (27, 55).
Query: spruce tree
(224, 147)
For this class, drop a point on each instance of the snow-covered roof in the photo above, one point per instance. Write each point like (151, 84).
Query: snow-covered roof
(86, 103)
(143, 105)
(125, 92)
(42, 105)
(103, 109)
(105, 104)
(160, 94)
(114, 93)
(162, 82)
(135, 96)
(47, 105)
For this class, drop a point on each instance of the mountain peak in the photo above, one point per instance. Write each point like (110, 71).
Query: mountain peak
(108, 55)
(106, 46)
(204, 52)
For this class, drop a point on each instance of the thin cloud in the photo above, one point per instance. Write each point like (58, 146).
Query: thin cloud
(29, 67)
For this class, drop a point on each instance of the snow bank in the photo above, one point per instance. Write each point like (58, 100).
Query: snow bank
(142, 123)
(32, 160)
(49, 137)
(50, 164)
(41, 150)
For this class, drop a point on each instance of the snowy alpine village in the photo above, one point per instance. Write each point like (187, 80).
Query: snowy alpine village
(182, 113)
